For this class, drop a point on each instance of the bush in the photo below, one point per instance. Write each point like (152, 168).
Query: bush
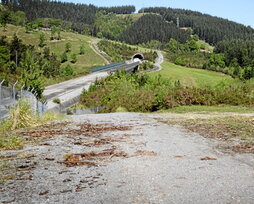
(64, 57)
(73, 58)
(141, 93)
(68, 70)
(146, 66)
(180, 61)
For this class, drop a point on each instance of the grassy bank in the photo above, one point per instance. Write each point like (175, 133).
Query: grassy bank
(192, 76)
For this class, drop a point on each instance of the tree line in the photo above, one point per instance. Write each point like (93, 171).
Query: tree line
(152, 27)
(81, 13)
(209, 28)
(239, 56)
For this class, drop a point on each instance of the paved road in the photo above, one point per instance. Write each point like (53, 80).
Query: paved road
(71, 89)
(128, 158)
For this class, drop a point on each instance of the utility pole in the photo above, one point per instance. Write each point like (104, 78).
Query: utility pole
(177, 22)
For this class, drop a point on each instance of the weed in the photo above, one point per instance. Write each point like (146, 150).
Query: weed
(236, 132)
(21, 116)
(57, 100)
(10, 142)
(68, 155)
(50, 116)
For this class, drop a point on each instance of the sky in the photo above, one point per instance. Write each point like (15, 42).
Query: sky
(240, 11)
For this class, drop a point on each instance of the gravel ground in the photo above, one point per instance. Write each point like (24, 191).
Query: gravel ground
(127, 158)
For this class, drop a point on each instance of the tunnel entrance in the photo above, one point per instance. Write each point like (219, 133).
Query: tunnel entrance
(138, 56)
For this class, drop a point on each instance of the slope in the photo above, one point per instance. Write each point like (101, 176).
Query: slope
(191, 76)
(84, 62)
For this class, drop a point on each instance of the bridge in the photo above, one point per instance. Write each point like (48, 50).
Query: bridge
(130, 66)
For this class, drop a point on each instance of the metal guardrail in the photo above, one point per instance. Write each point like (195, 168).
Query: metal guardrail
(96, 69)
(118, 66)
(10, 95)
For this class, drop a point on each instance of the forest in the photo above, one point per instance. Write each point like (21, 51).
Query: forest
(76, 13)
(209, 28)
(152, 27)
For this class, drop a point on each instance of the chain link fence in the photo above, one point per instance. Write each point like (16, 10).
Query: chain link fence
(10, 95)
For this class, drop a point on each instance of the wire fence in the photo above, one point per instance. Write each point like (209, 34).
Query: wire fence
(10, 95)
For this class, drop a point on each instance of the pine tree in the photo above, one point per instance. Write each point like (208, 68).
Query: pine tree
(42, 40)
(31, 75)
(64, 57)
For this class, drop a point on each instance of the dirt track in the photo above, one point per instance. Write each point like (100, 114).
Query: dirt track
(125, 158)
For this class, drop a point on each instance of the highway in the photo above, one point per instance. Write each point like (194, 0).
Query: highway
(69, 91)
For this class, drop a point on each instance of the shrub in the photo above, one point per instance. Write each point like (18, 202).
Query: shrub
(64, 57)
(141, 93)
(68, 70)
(73, 58)
(180, 61)
(57, 100)
(146, 66)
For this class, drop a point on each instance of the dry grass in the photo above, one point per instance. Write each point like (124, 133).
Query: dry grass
(236, 132)
(21, 116)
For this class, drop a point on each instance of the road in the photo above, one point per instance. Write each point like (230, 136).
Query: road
(69, 91)
(159, 60)
(94, 46)
(126, 158)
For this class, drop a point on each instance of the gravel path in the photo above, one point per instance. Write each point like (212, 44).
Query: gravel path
(159, 60)
(127, 158)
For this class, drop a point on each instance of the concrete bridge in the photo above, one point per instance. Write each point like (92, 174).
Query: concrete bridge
(130, 66)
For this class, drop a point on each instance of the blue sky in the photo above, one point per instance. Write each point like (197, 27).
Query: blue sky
(241, 11)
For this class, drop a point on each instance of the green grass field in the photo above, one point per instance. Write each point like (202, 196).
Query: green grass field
(191, 76)
(84, 62)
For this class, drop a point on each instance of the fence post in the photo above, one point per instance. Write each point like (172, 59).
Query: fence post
(14, 91)
(1, 95)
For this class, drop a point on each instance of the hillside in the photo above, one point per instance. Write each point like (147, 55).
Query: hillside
(191, 76)
(87, 18)
(212, 29)
(81, 66)
(152, 27)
